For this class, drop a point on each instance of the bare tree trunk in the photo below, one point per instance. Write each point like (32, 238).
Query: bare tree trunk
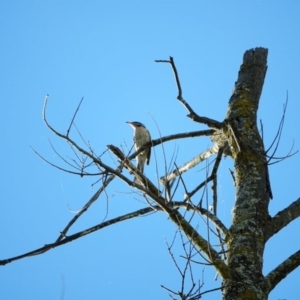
(246, 238)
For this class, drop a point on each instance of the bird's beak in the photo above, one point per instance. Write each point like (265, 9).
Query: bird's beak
(130, 123)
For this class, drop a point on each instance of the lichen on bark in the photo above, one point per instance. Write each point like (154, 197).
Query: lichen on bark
(247, 235)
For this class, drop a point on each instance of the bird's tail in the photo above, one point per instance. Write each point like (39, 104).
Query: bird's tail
(140, 167)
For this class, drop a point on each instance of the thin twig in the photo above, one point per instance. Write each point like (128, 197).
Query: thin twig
(62, 169)
(77, 109)
(86, 207)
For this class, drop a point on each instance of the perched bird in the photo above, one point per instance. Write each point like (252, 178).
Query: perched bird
(140, 137)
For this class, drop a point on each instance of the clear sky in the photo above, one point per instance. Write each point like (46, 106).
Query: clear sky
(105, 51)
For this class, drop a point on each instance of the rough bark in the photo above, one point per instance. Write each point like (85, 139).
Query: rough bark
(246, 238)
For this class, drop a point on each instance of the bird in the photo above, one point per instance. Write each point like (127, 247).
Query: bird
(140, 137)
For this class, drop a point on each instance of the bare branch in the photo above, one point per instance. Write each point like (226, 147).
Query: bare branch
(173, 258)
(214, 175)
(282, 270)
(280, 128)
(283, 218)
(190, 164)
(279, 159)
(200, 186)
(78, 235)
(211, 290)
(68, 131)
(188, 248)
(86, 207)
(96, 160)
(195, 117)
(215, 196)
(214, 219)
(62, 169)
(62, 158)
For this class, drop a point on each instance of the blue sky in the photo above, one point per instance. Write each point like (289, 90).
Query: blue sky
(105, 51)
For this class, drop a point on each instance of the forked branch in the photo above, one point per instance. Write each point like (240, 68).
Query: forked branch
(195, 117)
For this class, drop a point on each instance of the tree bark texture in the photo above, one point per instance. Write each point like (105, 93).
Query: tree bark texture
(246, 238)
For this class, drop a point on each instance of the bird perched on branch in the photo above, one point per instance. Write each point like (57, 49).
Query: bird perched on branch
(140, 137)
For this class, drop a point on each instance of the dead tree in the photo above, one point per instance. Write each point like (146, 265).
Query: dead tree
(238, 258)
